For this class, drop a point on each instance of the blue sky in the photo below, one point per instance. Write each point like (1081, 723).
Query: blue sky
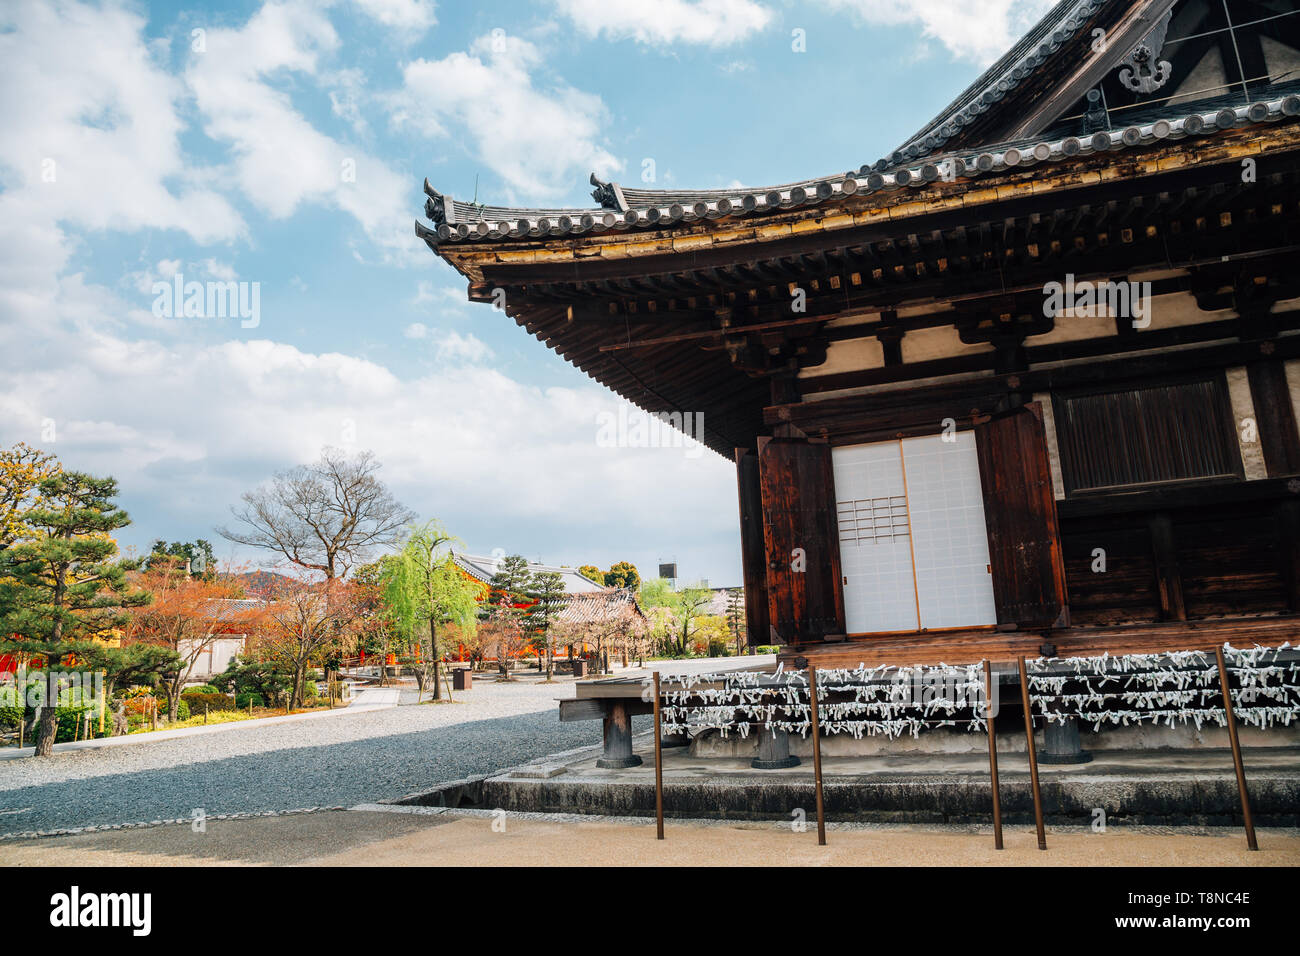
(211, 140)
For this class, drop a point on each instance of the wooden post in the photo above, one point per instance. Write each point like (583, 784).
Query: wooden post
(103, 701)
(659, 766)
(205, 713)
(993, 755)
(817, 756)
(1033, 756)
(1236, 749)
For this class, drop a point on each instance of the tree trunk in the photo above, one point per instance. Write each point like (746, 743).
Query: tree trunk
(47, 728)
(550, 661)
(433, 651)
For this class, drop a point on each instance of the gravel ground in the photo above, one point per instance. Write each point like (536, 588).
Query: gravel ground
(331, 761)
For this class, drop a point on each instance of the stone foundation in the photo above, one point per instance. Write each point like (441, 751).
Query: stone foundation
(711, 743)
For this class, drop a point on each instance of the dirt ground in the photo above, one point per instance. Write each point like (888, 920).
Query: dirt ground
(359, 837)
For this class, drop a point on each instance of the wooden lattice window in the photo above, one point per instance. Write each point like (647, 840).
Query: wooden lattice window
(1148, 434)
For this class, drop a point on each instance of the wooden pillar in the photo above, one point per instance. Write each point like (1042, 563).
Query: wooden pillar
(1020, 516)
(1288, 529)
(753, 560)
(1169, 577)
(618, 739)
(1275, 417)
(773, 751)
(805, 597)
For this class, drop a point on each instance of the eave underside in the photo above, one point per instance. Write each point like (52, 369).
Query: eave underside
(712, 330)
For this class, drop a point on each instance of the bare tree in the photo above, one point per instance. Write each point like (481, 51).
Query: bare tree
(323, 517)
(305, 620)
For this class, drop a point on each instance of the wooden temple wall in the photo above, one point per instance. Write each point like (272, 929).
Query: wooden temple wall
(1157, 566)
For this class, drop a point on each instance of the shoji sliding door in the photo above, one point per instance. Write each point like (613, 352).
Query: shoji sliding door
(913, 545)
(875, 540)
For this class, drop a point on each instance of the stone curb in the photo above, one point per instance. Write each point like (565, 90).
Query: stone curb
(106, 827)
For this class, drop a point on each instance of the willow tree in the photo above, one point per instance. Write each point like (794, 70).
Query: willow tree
(423, 584)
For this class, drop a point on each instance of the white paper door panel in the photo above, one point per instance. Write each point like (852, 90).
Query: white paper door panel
(949, 541)
(875, 553)
(916, 542)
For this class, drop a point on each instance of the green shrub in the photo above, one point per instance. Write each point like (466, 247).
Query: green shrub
(768, 649)
(200, 689)
(309, 690)
(212, 701)
(71, 722)
(183, 709)
(242, 700)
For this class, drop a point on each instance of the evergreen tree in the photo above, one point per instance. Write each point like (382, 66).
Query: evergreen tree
(60, 587)
(549, 594)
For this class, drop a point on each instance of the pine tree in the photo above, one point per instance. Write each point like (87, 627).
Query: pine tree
(60, 587)
(548, 591)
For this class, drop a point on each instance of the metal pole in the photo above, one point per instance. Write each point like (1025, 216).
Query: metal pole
(817, 756)
(1033, 756)
(1236, 750)
(659, 767)
(993, 755)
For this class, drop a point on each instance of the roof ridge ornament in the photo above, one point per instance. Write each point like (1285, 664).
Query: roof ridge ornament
(1138, 74)
(438, 208)
(608, 195)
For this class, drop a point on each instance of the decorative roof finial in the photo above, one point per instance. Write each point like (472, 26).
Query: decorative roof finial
(1144, 71)
(604, 193)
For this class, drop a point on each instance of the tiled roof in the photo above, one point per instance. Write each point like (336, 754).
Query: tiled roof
(1034, 49)
(608, 606)
(483, 568)
(650, 209)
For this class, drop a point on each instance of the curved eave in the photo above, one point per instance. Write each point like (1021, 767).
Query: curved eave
(651, 210)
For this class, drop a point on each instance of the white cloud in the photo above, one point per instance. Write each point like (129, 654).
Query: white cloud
(980, 31)
(468, 348)
(416, 330)
(186, 420)
(706, 22)
(540, 141)
(91, 141)
(191, 425)
(280, 159)
(407, 15)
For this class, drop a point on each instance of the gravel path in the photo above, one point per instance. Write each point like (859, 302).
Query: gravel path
(334, 761)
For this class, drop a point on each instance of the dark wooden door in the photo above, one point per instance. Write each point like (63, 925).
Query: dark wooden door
(801, 540)
(1020, 515)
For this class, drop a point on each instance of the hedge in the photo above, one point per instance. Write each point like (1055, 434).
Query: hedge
(213, 702)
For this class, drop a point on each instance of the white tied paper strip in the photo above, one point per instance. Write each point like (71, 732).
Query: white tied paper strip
(1170, 688)
(886, 700)
(1125, 690)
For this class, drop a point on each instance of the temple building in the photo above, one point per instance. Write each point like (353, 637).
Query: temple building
(1029, 383)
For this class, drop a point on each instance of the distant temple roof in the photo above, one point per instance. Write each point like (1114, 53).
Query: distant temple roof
(609, 606)
(483, 568)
